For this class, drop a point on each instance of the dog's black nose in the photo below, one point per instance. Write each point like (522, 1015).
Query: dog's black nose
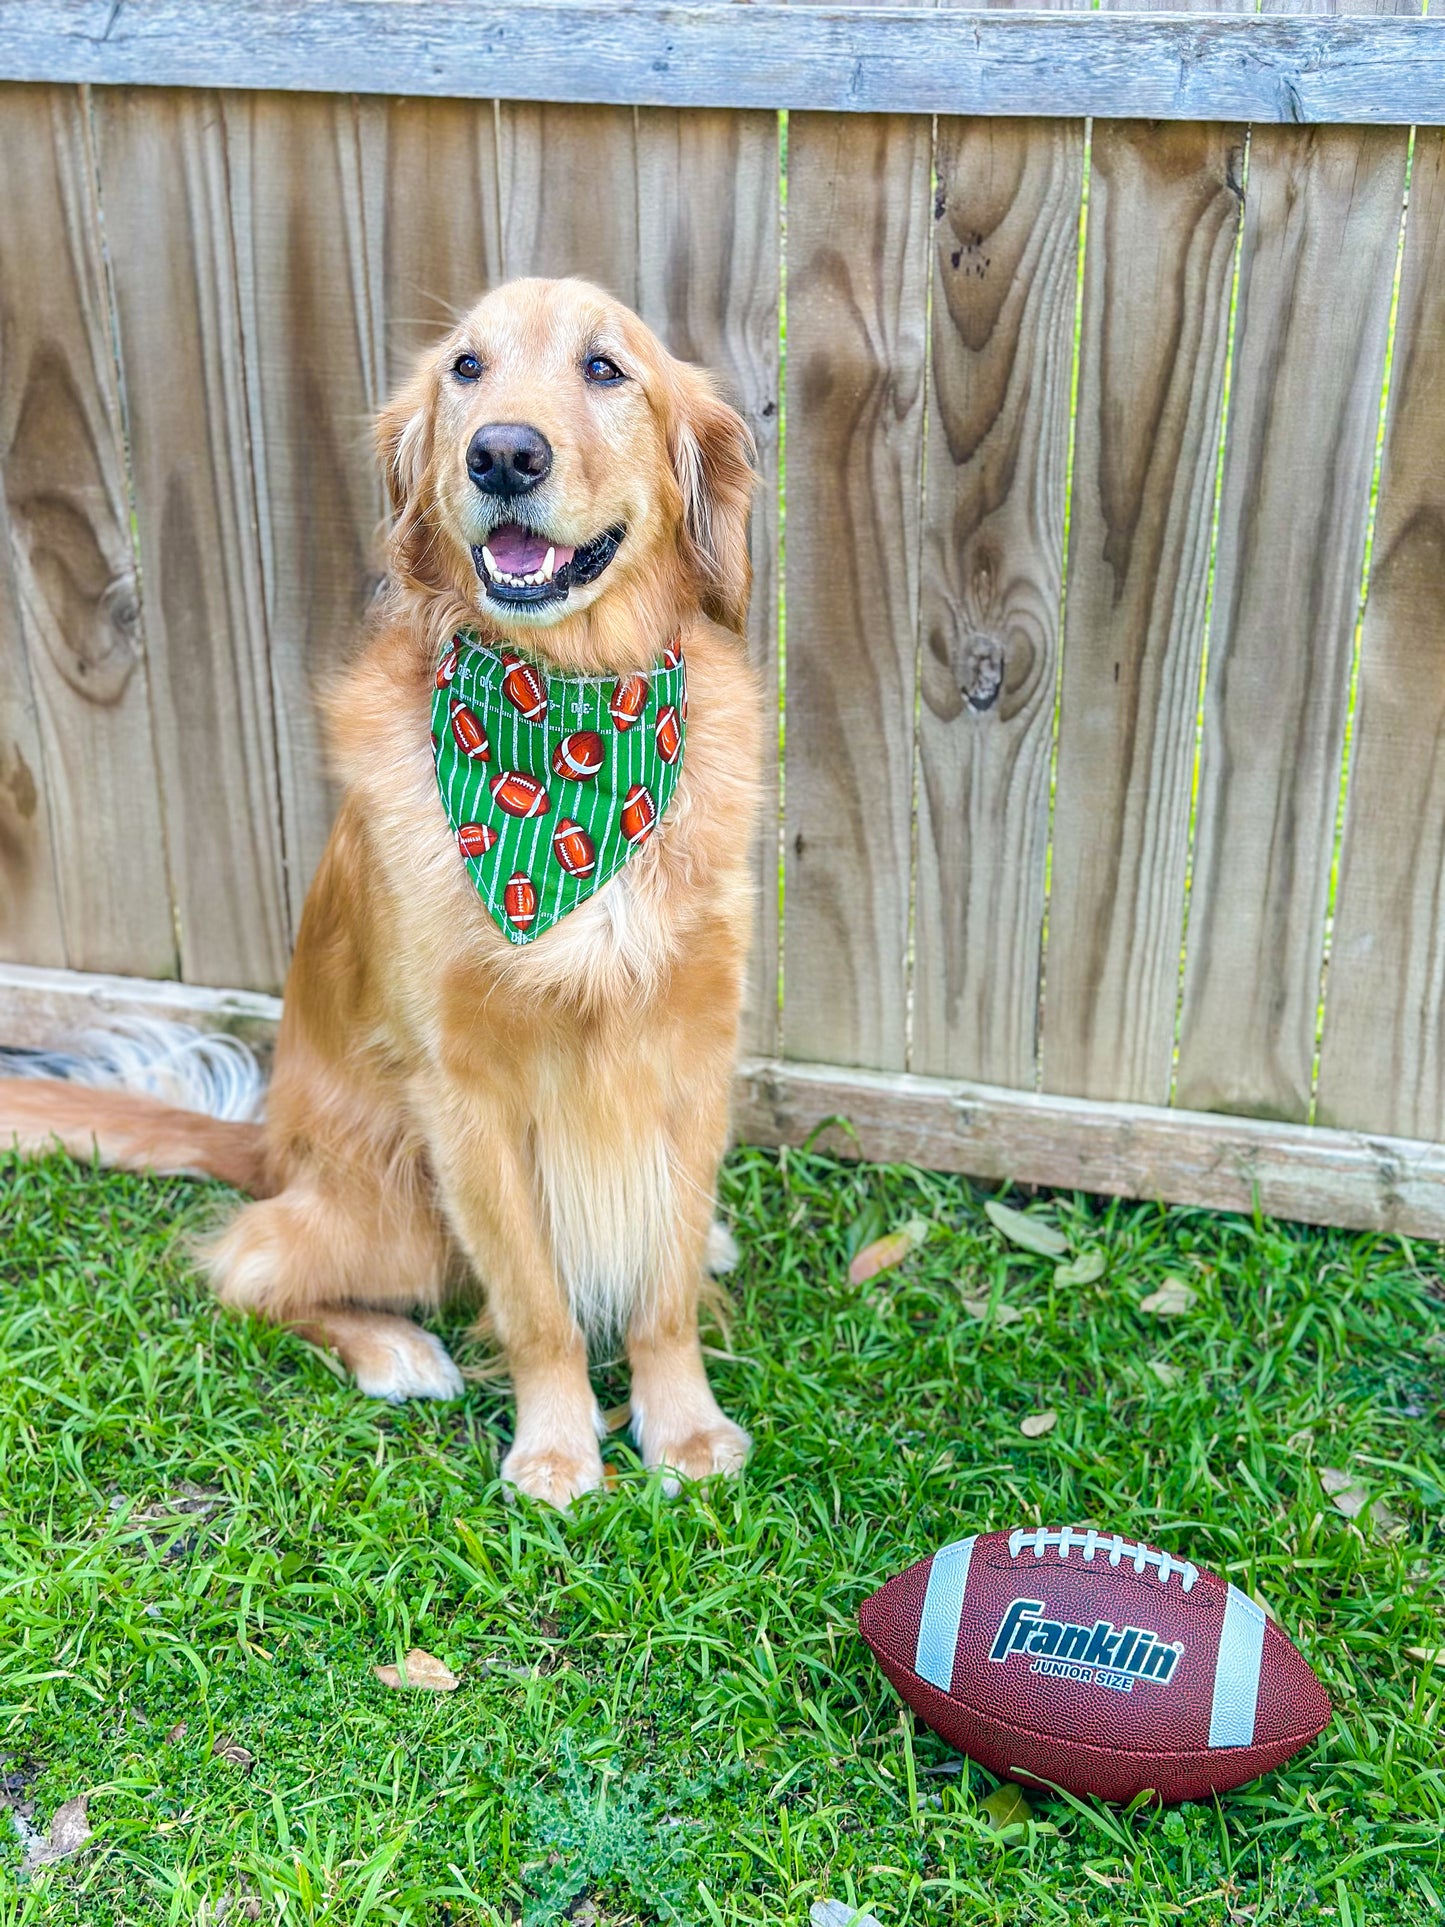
(508, 458)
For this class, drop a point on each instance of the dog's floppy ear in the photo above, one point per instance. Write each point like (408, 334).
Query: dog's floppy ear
(712, 457)
(404, 445)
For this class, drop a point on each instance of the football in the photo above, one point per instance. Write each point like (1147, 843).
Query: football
(669, 734)
(672, 654)
(475, 839)
(447, 667)
(524, 689)
(468, 734)
(1093, 1663)
(574, 848)
(519, 900)
(519, 794)
(629, 699)
(579, 757)
(639, 814)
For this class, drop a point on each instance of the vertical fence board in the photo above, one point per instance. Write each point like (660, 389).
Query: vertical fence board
(1005, 267)
(312, 368)
(167, 214)
(1382, 1060)
(1319, 244)
(1163, 213)
(433, 254)
(569, 193)
(80, 639)
(708, 263)
(31, 931)
(858, 196)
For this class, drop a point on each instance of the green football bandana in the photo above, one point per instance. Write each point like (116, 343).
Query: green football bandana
(551, 782)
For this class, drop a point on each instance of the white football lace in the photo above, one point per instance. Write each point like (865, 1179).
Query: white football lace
(1091, 1542)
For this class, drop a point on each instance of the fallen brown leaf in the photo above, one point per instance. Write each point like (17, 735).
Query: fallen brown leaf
(1038, 1423)
(185, 1500)
(887, 1251)
(838, 1913)
(176, 1734)
(1172, 1298)
(1001, 1314)
(1351, 1498)
(1430, 1655)
(1007, 1807)
(69, 1832)
(1031, 1234)
(229, 1907)
(1166, 1374)
(420, 1671)
(232, 1750)
(616, 1417)
(1087, 1269)
(1348, 1495)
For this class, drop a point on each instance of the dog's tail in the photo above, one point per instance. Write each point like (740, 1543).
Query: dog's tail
(142, 1096)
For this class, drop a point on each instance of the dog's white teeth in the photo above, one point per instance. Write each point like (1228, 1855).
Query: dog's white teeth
(492, 570)
(548, 566)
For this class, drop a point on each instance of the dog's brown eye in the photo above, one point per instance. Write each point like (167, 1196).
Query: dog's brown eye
(467, 368)
(599, 368)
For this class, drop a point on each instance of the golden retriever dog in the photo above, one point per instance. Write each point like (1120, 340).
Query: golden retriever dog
(449, 1105)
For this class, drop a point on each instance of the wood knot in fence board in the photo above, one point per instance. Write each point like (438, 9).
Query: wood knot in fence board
(986, 652)
(72, 550)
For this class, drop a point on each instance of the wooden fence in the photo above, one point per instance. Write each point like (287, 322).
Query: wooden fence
(1084, 433)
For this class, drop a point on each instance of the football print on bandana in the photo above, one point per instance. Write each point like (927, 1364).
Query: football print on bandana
(551, 783)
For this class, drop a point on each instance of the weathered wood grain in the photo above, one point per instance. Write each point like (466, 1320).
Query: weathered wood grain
(858, 201)
(313, 378)
(569, 193)
(163, 165)
(1121, 1150)
(1005, 264)
(1164, 207)
(845, 59)
(1320, 235)
(31, 930)
(82, 644)
(1382, 1060)
(434, 252)
(40, 1006)
(708, 281)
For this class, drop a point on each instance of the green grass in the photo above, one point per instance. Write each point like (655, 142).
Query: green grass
(665, 1711)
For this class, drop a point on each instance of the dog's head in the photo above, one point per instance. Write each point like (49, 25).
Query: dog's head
(550, 455)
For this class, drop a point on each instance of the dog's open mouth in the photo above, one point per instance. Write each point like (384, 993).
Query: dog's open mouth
(516, 564)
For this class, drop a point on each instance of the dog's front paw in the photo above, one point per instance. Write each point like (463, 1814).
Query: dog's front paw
(716, 1449)
(555, 1477)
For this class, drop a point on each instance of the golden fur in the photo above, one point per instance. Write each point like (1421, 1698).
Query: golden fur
(445, 1107)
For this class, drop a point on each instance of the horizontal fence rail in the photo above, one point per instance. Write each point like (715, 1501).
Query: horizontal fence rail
(1384, 69)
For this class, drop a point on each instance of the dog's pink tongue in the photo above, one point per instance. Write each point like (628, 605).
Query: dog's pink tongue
(520, 552)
